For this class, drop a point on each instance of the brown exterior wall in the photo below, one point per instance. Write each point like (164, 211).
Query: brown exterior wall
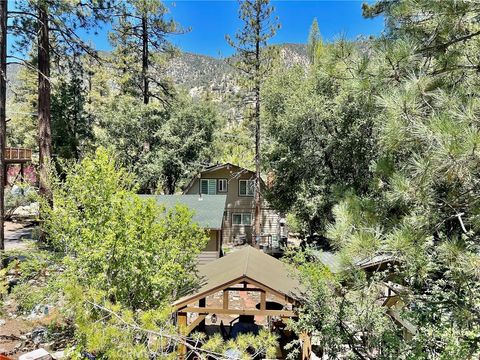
(238, 204)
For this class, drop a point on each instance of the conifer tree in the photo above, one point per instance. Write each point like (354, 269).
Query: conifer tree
(314, 41)
(250, 43)
(142, 48)
(51, 27)
(3, 103)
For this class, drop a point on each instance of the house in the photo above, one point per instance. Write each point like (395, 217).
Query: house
(274, 291)
(238, 184)
(207, 213)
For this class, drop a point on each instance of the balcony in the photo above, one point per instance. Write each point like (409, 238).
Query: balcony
(17, 155)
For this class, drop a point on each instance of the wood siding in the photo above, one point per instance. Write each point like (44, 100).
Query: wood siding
(237, 204)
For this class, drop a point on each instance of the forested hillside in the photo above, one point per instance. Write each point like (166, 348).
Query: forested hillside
(370, 147)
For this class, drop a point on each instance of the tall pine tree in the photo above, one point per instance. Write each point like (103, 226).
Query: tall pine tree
(314, 41)
(254, 61)
(142, 48)
(52, 27)
(3, 103)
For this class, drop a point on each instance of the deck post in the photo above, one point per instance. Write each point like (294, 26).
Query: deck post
(202, 303)
(182, 327)
(22, 173)
(263, 300)
(225, 299)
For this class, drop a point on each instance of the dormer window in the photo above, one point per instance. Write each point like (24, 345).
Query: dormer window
(246, 187)
(208, 186)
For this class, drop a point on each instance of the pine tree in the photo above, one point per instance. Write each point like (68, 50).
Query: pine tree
(314, 41)
(54, 28)
(254, 62)
(141, 33)
(3, 103)
(72, 126)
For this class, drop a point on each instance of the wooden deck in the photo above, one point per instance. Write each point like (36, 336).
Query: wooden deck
(18, 155)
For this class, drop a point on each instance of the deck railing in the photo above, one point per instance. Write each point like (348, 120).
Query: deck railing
(18, 154)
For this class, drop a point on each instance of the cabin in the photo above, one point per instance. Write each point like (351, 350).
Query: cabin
(238, 185)
(240, 293)
(207, 213)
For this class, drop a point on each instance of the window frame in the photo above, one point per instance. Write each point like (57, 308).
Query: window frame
(242, 218)
(219, 181)
(247, 181)
(208, 186)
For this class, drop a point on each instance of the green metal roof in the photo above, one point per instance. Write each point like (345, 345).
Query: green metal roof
(207, 210)
(334, 262)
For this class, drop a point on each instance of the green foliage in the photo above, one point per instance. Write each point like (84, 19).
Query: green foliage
(36, 273)
(234, 144)
(21, 110)
(344, 314)
(22, 196)
(112, 331)
(424, 202)
(72, 126)
(66, 17)
(169, 144)
(140, 36)
(259, 25)
(321, 133)
(315, 43)
(118, 243)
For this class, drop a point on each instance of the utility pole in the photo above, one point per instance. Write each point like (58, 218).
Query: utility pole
(3, 120)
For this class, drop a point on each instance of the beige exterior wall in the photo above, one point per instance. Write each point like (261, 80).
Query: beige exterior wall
(214, 242)
(236, 203)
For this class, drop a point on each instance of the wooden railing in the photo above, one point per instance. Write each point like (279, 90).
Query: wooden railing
(18, 154)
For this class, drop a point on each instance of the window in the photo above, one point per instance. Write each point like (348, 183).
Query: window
(242, 219)
(208, 186)
(246, 187)
(222, 185)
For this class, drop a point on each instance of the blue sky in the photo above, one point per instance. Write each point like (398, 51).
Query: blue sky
(210, 21)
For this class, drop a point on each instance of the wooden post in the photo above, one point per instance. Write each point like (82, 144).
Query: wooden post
(202, 303)
(22, 173)
(182, 328)
(263, 300)
(225, 299)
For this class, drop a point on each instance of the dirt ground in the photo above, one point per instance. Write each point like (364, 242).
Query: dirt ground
(16, 233)
(10, 335)
(17, 236)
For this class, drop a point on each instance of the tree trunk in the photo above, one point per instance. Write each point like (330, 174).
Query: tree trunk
(146, 94)
(44, 94)
(3, 102)
(258, 205)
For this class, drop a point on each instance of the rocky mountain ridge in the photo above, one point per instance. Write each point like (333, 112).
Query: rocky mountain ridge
(200, 74)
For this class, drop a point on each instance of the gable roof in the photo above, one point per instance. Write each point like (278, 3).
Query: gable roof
(238, 171)
(208, 209)
(247, 263)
